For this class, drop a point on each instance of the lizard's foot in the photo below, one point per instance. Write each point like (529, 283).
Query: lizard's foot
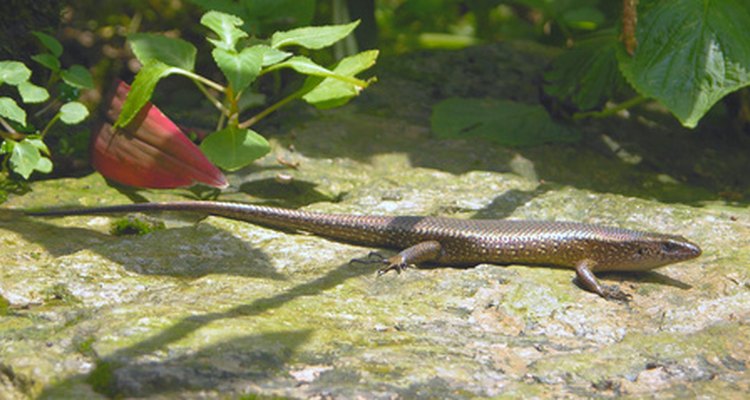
(427, 251)
(615, 293)
(395, 263)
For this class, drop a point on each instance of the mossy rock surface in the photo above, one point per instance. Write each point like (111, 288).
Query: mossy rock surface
(215, 308)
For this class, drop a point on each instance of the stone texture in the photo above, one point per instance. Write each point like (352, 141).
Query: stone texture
(210, 308)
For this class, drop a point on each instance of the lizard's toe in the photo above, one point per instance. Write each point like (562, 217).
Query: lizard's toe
(395, 263)
(616, 294)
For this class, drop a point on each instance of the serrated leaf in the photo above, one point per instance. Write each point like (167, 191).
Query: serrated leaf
(588, 73)
(170, 51)
(52, 44)
(47, 60)
(333, 92)
(241, 69)
(502, 121)
(313, 37)
(73, 113)
(27, 158)
(31, 93)
(233, 148)
(78, 76)
(13, 73)
(690, 54)
(142, 89)
(226, 27)
(272, 56)
(9, 109)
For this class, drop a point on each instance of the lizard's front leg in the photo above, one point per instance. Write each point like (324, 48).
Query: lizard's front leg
(589, 281)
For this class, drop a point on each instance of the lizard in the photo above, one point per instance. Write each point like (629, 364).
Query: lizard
(586, 248)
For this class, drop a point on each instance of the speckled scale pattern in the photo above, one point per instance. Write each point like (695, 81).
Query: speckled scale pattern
(462, 242)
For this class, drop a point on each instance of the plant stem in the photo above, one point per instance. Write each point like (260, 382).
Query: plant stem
(49, 124)
(9, 132)
(220, 123)
(46, 108)
(199, 78)
(257, 117)
(216, 103)
(610, 111)
(10, 135)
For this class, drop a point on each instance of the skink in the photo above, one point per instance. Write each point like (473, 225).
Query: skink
(587, 248)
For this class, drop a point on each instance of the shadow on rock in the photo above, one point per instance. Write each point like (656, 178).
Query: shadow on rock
(237, 361)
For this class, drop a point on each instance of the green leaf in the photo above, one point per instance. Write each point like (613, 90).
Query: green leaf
(265, 16)
(170, 51)
(78, 76)
(241, 69)
(13, 73)
(48, 61)
(690, 54)
(272, 56)
(502, 121)
(9, 109)
(313, 37)
(26, 157)
(588, 73)
(303, 65)
(36, 141)
(6, 146)
(31, 93)
(333, 92)
(142, 89)
(52, 44)
(226, 27)
(233, 148)
(73, 113)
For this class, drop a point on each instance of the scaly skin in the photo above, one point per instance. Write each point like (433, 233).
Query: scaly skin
(587, 248)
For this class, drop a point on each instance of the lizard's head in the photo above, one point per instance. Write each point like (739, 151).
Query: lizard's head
(654, 250)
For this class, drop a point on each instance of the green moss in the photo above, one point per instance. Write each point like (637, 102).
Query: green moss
(59, 293)
(101, 377)
(86, 346)
(260, 397)
(4, 306)
(132, 225)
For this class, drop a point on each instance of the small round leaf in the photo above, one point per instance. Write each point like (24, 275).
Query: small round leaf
(31, 93)
(13, 72)
(73, 113)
